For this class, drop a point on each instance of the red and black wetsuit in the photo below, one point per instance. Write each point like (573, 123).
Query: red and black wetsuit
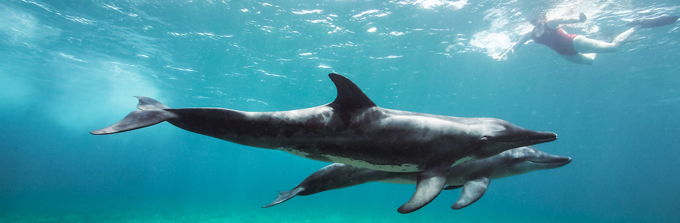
(556, 39)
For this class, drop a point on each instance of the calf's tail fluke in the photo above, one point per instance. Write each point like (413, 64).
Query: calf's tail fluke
(284, 196)
(150, 112)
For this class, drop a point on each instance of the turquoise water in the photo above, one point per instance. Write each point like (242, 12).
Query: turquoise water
(69, 67)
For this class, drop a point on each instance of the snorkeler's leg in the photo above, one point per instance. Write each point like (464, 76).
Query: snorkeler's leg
(621, 38)
(585, 45)
(589, 56)
(581, 58)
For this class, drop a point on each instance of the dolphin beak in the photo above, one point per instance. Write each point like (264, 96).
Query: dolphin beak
(551, 161)
(540, 137)
(527, 137)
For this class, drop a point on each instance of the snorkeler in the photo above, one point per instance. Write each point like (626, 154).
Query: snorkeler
(577, 48)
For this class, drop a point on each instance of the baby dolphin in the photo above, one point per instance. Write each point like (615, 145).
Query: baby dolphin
(351, 130)
(473, 176)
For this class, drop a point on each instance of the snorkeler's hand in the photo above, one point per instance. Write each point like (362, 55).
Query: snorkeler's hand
(582, 17)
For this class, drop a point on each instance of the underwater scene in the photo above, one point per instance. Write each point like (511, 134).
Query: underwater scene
(433, 111)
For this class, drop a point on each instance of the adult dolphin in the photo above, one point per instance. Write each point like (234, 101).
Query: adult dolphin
(354, 131)
(654, 22)
(473, 176)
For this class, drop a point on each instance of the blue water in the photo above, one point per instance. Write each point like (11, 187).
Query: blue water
(69, 67)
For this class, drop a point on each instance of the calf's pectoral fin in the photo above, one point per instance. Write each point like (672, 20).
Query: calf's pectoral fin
(429, 185)
(472, 191)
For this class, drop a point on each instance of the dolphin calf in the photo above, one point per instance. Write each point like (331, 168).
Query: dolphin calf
(473, 176)
(351, 130)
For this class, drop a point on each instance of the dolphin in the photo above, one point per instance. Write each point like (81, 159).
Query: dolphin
(351, 130)
(473, 176)
(655, 22)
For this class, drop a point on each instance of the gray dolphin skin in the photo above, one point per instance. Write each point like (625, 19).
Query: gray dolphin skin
(655, 22)
(473, 176)
(351, 130)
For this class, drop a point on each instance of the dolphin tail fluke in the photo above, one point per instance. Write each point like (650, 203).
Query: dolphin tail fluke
(472, 191)
(150, 112)
(146, 103)
(430, 184)
(655, 22)
(284, 196)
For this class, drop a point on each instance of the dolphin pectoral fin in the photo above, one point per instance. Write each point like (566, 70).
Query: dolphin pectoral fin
(151, 112)
(284, 196)
(430, 184)
(451, 187)
(472, 191)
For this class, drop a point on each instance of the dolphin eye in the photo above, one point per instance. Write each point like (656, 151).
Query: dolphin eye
(483, 141)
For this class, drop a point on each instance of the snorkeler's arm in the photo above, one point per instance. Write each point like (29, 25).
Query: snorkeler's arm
(554, 23)
(526, 37)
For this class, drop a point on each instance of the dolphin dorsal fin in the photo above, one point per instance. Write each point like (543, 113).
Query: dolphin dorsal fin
(350, 97)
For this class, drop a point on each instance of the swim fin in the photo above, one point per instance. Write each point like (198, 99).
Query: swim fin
(655, 22)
